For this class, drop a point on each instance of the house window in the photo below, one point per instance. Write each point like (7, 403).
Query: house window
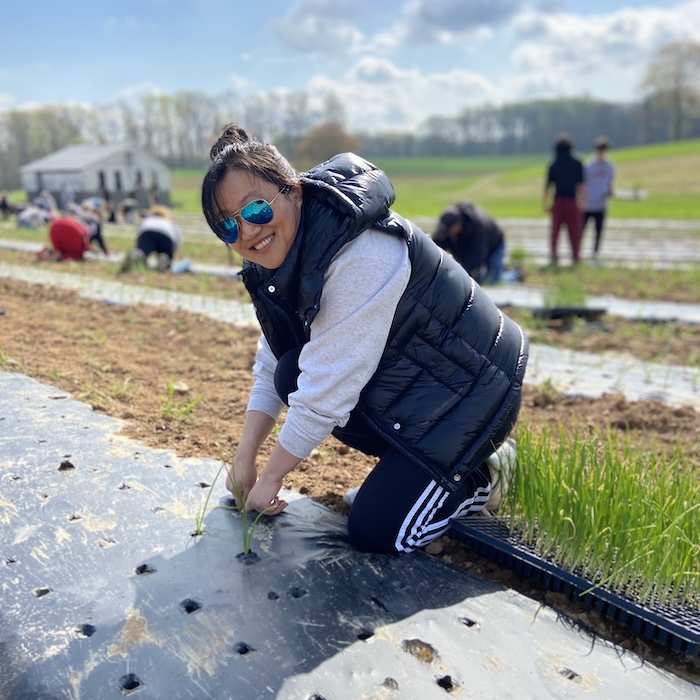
(118, 180)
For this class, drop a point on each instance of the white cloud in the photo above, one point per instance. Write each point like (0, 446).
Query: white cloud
(445, 21)
(240, 83)
(137, 91)
(605, 55)
(319, 27)
(6, 100)
(376, 91)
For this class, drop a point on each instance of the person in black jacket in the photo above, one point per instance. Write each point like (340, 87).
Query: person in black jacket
(369, 333)
(474, 239)
(565, 198)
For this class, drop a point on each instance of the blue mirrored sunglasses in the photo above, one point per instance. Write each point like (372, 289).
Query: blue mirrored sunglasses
(257, 212)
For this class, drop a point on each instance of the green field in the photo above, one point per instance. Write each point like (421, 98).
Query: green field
(511, 186)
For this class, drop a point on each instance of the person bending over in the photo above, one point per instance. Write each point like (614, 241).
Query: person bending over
(157, 235)
(371, 333)
(474, 239)
(70, 240)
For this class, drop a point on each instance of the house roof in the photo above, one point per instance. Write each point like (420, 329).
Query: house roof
(76, 157)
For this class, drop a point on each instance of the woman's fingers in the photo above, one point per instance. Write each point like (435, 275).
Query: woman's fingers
(275, 507)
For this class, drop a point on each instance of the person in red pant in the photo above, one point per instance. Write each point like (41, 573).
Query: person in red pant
(565, 180)
(70, 239)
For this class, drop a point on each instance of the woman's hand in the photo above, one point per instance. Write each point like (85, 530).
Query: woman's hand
(263, 497)
(240, 481)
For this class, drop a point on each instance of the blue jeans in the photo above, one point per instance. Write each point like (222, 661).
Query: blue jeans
(494, 266)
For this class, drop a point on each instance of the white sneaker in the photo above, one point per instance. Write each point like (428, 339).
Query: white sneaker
(349, 497)
(501, 464)
(163, 262)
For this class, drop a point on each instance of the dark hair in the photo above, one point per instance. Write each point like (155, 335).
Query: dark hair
(235, 150)
(601, 143)
(563, 143)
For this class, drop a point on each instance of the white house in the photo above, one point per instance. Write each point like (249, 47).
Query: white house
(113, 172)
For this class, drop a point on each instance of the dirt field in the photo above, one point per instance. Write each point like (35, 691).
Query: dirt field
(122, 360)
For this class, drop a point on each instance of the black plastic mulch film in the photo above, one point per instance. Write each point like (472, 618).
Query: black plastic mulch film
(675, 628)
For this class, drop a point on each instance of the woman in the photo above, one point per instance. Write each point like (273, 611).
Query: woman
(157, 235)
(370, 333)
(70, 240)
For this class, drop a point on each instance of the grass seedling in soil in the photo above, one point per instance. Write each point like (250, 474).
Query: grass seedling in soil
(171, 407)
(240, 496)
(613, 514)
(567, 293)
(199, 518)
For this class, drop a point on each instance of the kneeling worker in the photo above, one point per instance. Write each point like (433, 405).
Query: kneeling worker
(474, 240)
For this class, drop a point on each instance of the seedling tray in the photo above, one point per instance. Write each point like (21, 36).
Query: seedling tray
(567, 312)
(675, 628)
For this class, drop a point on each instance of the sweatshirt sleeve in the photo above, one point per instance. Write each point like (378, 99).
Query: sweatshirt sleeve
(263, 396)
(362, 288)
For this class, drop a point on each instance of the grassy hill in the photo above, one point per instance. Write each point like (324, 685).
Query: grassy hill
(511, 186)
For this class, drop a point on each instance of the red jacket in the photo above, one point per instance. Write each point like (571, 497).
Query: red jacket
(69, 238)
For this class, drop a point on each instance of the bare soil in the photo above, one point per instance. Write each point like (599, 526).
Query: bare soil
(136, 362)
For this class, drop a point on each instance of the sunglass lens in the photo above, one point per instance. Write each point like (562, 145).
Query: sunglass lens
(228, 231)
(257, 212)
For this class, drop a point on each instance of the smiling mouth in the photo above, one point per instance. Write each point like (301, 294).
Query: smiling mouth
(262, 244)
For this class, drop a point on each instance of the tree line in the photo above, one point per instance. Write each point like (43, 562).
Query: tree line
(179, 129)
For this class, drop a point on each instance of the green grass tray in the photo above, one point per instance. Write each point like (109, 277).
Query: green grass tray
(675, 628)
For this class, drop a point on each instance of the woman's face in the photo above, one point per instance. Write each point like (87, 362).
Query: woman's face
(264, 244)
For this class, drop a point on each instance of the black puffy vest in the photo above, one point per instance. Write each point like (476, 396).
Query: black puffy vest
(453, 365)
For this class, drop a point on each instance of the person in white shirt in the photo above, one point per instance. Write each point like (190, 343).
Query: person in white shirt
(599, 173)
(370, 333)
(157, 235)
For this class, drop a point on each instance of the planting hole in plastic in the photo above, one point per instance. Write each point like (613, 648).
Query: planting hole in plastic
(130, 683)
(145, 569)
(84, 631)
(189, 605)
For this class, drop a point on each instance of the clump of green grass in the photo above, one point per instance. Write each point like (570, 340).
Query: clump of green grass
(610, 513)
(567, 292)
(240, 495)
(177, 409)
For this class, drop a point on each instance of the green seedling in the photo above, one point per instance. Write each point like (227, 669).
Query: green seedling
(240, 496)
(607, 511)
(120, 391)
(567, 293)
(199, 518)
(171, 407)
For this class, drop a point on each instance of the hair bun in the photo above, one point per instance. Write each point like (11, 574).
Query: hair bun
(231, 135)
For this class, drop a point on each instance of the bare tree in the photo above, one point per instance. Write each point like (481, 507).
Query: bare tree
(674, 78)
(324, 141)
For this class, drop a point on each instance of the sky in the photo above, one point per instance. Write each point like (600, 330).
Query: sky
(392, 63)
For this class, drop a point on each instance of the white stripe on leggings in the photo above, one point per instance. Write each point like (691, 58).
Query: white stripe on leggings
(418, 527)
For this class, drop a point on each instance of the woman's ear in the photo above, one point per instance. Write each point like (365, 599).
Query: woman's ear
(296, 192)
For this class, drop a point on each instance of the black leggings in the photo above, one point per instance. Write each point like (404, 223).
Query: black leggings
(96, 235)
(399, 507)
(598, 218)
(155, 242)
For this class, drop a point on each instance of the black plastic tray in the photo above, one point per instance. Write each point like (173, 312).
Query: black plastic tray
(566, 312)
(675, 628)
